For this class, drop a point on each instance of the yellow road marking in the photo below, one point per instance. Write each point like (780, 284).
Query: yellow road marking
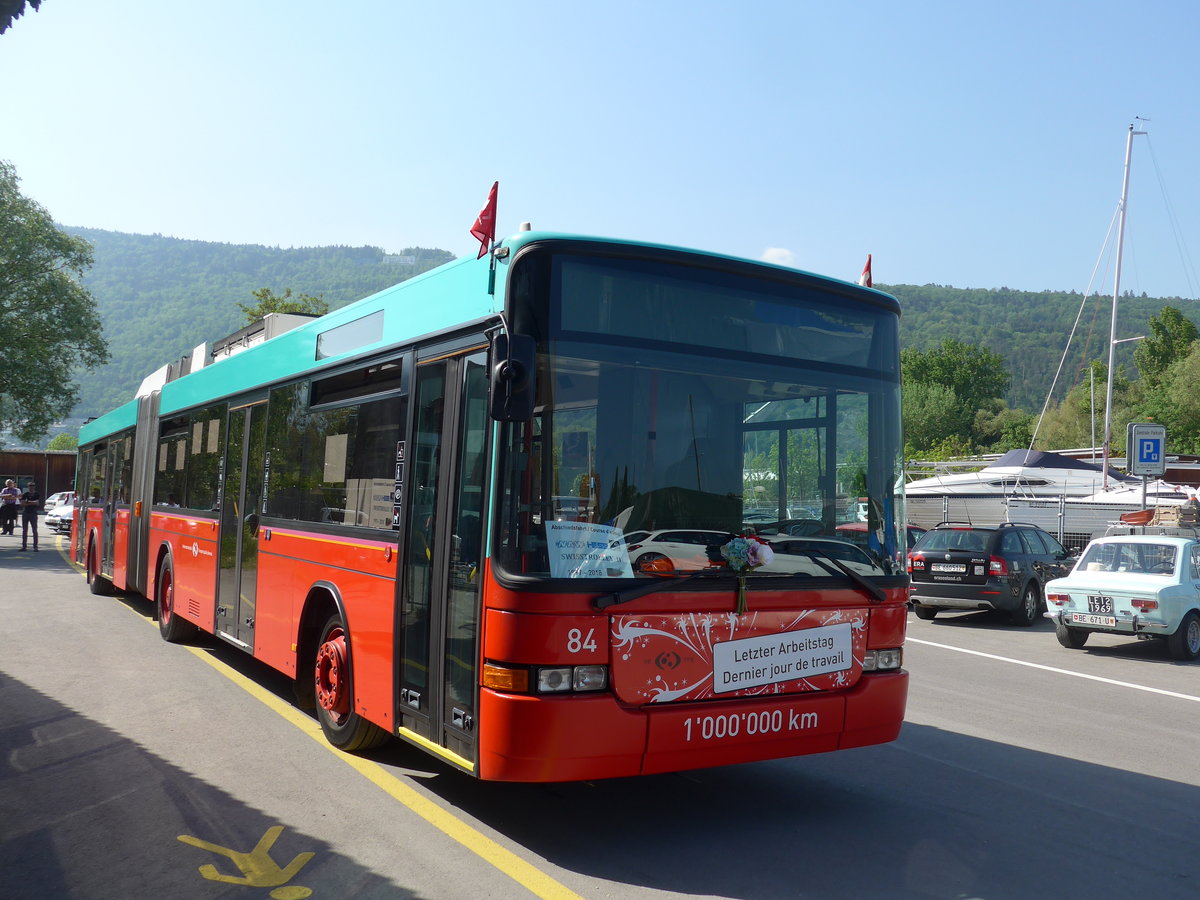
(524, 873)
(257, 867)
(529, 876)
(62, 551)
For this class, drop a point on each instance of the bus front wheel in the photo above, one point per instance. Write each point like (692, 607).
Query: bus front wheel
(343, 727)
(172, 628)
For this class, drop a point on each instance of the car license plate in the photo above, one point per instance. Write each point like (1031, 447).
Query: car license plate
(1091, 619)
(948, 567)
(1100, 604)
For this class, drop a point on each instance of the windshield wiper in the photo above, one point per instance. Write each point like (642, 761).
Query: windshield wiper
(874, 591)
(640, 590)
(824, 560)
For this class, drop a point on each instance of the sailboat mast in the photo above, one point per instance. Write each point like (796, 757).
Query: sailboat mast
(1112, 334)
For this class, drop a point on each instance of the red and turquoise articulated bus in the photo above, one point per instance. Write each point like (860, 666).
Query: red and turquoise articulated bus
(568, 511)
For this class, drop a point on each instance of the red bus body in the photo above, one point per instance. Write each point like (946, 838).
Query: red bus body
(688, 680)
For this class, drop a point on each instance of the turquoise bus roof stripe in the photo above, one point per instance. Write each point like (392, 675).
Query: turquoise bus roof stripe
(442, 298)
(519, 240)
(111, 422)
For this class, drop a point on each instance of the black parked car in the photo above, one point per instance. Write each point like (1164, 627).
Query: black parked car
(1006, 567)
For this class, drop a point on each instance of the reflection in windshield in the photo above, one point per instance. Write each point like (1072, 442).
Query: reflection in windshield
(665, 458)
(679, 406)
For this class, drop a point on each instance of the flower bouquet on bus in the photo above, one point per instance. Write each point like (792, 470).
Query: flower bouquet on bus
(743, 553)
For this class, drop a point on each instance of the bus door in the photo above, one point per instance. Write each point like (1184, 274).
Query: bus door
(440, 585)
(100, 495)
(240, 501)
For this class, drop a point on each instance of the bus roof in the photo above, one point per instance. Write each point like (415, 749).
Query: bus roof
(124, 416)
(444, 298)
(869, 295)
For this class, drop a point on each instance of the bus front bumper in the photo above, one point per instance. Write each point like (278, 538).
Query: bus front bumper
(584, 737)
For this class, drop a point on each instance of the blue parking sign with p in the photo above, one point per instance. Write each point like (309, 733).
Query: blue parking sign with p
(1147, 448)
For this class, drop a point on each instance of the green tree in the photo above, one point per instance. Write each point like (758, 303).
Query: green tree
(14, 9)
(63, 441)
(51, 315)
(1071, 423)
(1003, 429)
(975, 374)
(1174, 401)
(932, 414)
(952, 395)
(1170, 340)
(269, 302)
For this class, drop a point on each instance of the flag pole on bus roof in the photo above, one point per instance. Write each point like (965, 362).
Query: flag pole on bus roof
(484, 231)
(865, 278)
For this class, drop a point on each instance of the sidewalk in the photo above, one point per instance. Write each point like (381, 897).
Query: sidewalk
(117, 781)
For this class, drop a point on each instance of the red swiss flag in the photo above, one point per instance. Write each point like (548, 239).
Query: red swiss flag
(864, 279)
(484, 229)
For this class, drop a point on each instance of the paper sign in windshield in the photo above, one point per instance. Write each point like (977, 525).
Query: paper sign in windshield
(790, 656)
(584, 550)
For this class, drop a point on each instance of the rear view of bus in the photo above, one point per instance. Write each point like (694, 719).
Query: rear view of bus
(666, 587)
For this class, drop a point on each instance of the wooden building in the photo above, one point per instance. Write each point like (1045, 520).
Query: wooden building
(53, 470)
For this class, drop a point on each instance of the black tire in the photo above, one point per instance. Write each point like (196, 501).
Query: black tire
(97, 583)
(924, 612)
(173, 628)
(333, 679)
(1031, 606)
(1071, 638)
(1184, 644)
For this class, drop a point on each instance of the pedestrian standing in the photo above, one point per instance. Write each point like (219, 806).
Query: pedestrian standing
(10, 500)
(31, 502)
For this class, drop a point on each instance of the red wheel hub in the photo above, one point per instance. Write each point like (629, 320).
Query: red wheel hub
(166, 604)
(333, 686)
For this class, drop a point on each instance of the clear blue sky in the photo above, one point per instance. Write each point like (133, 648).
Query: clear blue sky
(963, 143)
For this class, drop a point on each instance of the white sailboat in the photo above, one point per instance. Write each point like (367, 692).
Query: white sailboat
(1076, 519)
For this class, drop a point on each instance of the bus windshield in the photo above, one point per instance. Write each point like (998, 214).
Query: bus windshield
(679, 408)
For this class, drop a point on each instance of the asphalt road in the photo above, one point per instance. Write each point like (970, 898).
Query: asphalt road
(131, 768)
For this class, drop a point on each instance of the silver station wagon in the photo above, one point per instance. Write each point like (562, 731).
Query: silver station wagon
(1143, 585)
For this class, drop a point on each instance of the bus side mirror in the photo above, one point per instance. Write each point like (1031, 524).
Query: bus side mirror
(514, 361)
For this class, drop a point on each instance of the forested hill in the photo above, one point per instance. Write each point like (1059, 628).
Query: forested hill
(1029, 330)
(159, 297)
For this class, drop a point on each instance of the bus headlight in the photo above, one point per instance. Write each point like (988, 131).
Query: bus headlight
(553, 681)
(560, 679)
(590, 678)
(883, 660)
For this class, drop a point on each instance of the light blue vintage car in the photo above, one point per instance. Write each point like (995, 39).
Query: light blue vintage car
(1136, 584)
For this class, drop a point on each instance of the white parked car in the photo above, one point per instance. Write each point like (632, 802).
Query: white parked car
(675, 549)
(1142, 585)
(59, 518)
(59, 498)
(804, 555)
